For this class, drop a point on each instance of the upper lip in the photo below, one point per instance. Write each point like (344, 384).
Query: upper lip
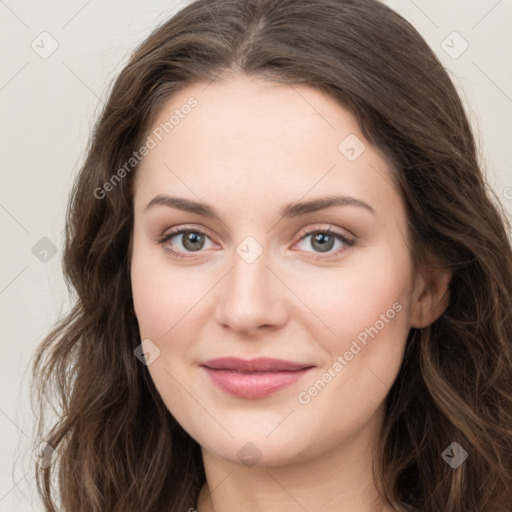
(258, 365)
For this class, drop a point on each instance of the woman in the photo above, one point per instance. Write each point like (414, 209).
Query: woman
(293, 286)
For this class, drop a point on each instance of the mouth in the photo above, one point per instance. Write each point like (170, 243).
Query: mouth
(255, 378)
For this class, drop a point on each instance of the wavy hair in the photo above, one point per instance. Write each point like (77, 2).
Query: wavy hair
(117, 447)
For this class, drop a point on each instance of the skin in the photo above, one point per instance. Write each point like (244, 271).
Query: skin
(249, 148)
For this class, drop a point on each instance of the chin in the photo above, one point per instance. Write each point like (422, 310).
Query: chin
(251, 447)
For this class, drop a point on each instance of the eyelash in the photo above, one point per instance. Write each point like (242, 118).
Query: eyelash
(349, 242)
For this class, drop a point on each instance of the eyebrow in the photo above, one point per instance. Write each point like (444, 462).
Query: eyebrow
(295, 209)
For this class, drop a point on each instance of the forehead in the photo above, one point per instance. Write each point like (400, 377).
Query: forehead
(249, 138)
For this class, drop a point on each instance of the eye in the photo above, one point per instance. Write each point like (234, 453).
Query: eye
(324, 240)
(190, 239)
(193, 240)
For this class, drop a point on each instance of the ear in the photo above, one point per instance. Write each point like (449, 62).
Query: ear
(431, 296)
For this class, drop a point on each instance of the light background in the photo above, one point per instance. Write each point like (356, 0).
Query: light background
(47, 110)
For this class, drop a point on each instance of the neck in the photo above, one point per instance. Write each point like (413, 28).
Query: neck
(338, 480)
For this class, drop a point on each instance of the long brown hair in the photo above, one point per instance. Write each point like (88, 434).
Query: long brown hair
(117, 447)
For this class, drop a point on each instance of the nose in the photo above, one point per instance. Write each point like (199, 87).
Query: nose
(251, 298)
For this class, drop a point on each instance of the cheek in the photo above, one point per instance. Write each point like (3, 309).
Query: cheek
(161, 294)
(163, 298)
(344, 303)
(371, 288)
(173, 311)
(368, 308)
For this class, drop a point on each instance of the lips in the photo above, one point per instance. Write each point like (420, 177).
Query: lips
(254, 378)
(259, 365)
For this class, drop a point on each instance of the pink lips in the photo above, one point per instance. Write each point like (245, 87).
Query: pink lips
(254, 378)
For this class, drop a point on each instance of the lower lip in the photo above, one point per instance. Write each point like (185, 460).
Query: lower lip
(253, 385)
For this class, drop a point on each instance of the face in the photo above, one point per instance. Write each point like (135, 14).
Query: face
(266, 268)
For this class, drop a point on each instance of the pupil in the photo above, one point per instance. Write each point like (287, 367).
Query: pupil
(325, 241)
(193, 238)
(324, 244)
